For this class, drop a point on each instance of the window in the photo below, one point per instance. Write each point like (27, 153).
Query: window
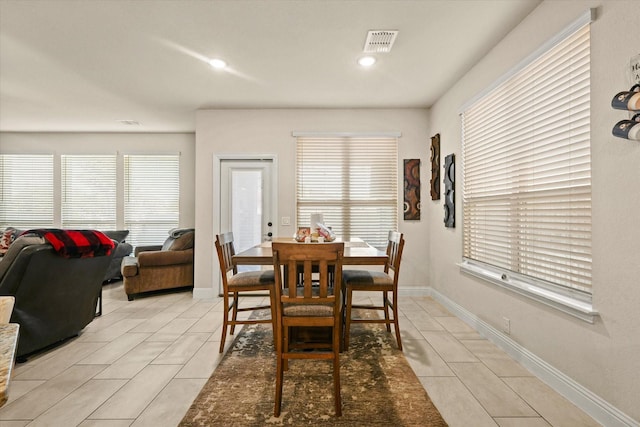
(89, 191)
(352, 181)
(26, 191)
(152, 197)
(527, 175)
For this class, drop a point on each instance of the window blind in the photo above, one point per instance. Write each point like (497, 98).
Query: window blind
(152, 197)
(352, 181)
(527, 169)
(26, 191)
(89, 191)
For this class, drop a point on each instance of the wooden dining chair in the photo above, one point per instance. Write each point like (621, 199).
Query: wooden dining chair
(381, 281)
(309, 305)
(234, 284)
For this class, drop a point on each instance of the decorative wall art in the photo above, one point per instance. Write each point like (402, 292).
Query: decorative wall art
(435, 167)
(412, 189)
(449, 195)
(629, 101)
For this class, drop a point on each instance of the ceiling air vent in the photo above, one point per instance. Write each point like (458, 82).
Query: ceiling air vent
(380, 41)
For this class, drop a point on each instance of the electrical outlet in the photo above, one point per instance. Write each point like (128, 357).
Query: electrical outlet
(506, 325)
(285, 220)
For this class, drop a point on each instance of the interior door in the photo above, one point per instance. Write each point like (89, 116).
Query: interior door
(246, 201)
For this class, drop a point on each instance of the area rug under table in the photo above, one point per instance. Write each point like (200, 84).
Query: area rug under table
(378, 386)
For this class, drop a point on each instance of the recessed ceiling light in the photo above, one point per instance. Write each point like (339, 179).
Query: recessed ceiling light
(367, 61)
(218, 64)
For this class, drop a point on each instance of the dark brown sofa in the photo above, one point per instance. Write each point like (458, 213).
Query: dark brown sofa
(166, 266)
(55, 297)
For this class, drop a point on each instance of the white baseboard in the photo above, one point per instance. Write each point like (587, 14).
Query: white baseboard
(414, 291)
(589, 402)
(204, 293)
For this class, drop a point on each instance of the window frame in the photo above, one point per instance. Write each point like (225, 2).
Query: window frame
(573, 301)
(153, 232)
(103, 167)
(44, 168)
(340, 214)
(55, 186)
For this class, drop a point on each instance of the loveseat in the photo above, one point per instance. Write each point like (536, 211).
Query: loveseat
(159, 267)
(55, 297)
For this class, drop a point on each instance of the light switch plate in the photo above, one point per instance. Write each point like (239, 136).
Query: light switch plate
(285, 220)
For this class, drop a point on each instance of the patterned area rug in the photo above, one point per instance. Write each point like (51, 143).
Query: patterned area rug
(378, 386)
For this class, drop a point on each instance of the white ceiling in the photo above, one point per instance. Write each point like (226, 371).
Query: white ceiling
(73, 65)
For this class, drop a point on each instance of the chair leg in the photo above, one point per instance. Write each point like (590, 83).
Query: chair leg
(274, 323)
(336, 371)
(279, 379)
(234, 317)
(285, 347)
(347, 325)
(385, 304)
(396, 320)
(225, 321)
(341, 331)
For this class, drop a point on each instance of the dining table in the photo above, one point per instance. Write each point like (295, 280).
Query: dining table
(356, 252)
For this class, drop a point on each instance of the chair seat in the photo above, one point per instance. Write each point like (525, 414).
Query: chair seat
(308, 310)
(366, 278)
(250, 279)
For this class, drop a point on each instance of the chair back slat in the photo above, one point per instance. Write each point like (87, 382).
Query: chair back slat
(307, 256)
(226, 251)
(395, 247)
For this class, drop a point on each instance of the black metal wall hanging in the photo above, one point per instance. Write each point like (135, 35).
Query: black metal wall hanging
(435, 167)
(449, 191)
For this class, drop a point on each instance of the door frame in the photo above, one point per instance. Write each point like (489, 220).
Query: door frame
(217, 196)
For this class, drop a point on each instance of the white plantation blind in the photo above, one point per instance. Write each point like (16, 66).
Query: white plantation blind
(352, 181)
(26, 191)
(527, 169)
(89, 191)
(152, 197)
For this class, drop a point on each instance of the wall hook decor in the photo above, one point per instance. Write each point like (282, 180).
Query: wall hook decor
(628, 100)
(628, 129)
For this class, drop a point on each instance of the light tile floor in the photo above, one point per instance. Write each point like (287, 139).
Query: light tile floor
(143, 362)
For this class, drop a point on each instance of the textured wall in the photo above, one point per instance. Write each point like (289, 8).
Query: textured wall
(269, 132)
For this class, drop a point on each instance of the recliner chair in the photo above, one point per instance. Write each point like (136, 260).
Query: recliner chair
(159, 267)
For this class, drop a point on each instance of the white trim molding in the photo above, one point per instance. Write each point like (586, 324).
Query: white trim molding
(568, 301)
(204, 293)
(392, 134)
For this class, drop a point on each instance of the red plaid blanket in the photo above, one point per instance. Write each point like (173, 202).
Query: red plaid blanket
(76, 243)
